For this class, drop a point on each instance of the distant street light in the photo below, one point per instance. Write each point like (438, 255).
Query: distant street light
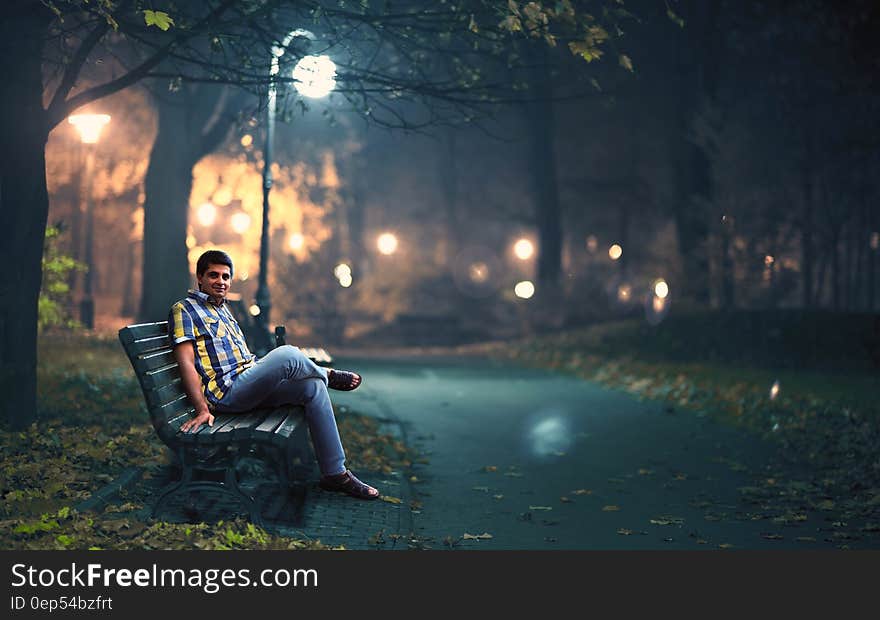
(523, 249)
(661, 289)
(524, 289)
(316, 75)
(296, 241)
(89, 127)
(387, 243)
(615, 252)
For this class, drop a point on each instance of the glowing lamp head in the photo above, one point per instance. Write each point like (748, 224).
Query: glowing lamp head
(345, 280)
(315, 76)
(254, 310)
(387, 243)
(524, 289)
(523, 249)
(615, 252)
(342, 270)
(89, 126)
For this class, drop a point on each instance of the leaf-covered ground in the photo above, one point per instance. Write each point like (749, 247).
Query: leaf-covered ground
(826, 423)
(92, 426)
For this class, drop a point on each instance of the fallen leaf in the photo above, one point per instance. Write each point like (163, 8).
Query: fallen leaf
(624, 532)
(565, 499)
(490, 468)
(768, 536)
(667, 520)
(497, 497)
(805, 539)
(483, 489)
(540, 508)
(483, 536)
(725, 546)
(513, 474)
(645, 472)
(610, 508)
(582, 492)
(391, 500)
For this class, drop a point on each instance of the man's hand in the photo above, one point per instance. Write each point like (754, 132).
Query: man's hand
(196, 422)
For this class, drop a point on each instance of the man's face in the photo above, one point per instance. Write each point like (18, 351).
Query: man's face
(215, 281)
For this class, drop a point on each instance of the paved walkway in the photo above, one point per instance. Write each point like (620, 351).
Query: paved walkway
(528, 459)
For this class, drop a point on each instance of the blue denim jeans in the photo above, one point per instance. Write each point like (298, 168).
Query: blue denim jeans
(285, 376)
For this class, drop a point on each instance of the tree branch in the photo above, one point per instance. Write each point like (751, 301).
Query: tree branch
(62, 110)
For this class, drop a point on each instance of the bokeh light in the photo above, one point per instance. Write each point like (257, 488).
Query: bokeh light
(341, 270)
(523, 249)
(206, 214)
(524, 289)
(661, 289)
(624, 292)
(615, 252)
(345, 280)
(240, 222)
(549, 434)
(592, 244)
(254, 310)
(774, 390)
(478, 272)
(296, 241)
(246, 140)
(387, 243)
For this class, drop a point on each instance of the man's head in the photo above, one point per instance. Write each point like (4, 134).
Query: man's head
(214, 274)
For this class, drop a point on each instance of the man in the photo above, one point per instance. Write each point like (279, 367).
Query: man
(221, 375)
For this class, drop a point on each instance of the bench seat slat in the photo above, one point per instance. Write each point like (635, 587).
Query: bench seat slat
(249, 421)
(293, 421)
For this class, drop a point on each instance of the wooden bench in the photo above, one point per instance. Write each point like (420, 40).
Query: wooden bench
(278, 435)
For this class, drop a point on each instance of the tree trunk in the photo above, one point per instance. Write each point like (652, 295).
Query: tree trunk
(191, 124)
(167, 187)
(807, 250)
(24, 207)
(542, 167)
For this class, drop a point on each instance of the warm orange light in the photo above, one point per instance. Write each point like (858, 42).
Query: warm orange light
(296, 241)
(661, 289)
(89, 126)
(624, 292)
(615, 252)
(246, 140)
(478, 272)
(240, 222)
(206, 214)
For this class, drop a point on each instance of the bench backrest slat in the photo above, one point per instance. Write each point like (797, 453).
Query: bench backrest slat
(149, 351)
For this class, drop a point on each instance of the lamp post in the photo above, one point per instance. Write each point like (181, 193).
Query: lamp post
(89, 127)
(315, 77)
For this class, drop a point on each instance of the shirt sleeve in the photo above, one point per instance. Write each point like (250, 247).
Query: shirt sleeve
(180, 325)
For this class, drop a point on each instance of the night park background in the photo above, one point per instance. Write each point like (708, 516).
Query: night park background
(609, 270)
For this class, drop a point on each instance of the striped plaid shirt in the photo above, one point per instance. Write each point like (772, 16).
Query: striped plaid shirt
(220, 350)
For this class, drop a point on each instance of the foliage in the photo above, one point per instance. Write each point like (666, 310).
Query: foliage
(92, 426)
(55, 294)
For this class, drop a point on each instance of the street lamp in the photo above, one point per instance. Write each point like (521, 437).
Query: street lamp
(89, 127)
(309, 70)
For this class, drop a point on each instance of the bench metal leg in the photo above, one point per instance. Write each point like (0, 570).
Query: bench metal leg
(229, 486)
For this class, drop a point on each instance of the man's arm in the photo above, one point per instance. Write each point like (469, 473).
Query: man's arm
(192, 385)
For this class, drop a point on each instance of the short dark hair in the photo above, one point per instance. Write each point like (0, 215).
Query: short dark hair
(213, 257)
